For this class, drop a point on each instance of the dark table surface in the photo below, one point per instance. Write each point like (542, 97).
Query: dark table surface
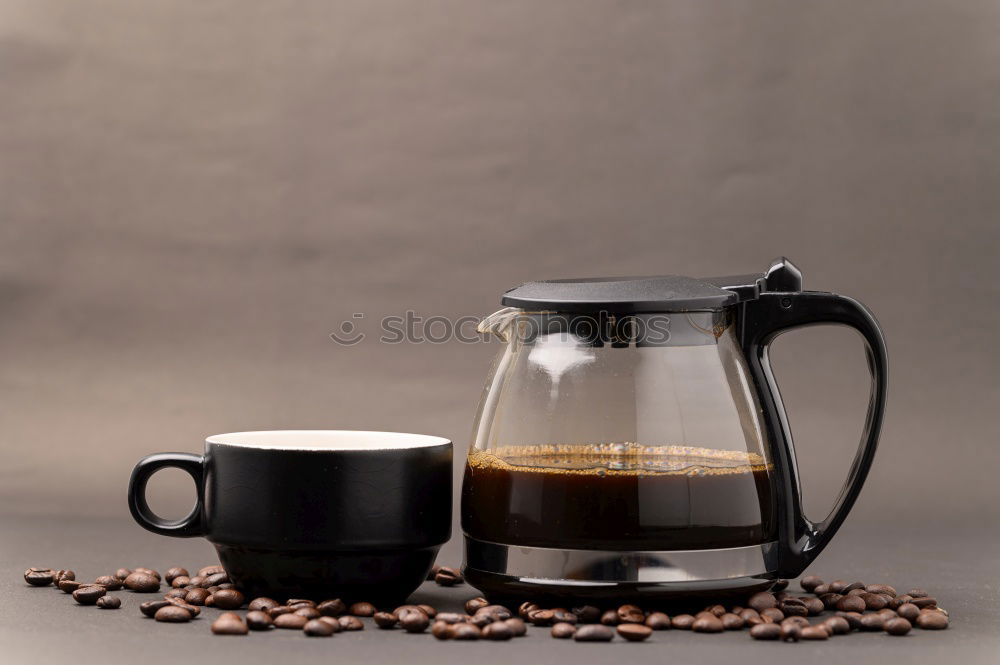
(42, 625)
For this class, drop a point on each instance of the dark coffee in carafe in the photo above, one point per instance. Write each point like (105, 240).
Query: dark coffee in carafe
(618, 496)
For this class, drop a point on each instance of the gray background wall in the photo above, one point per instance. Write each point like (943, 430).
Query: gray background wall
(194, 195)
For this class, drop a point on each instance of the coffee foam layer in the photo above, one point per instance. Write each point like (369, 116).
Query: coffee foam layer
(618, 459)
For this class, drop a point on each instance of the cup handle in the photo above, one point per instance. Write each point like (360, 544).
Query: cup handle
(767, 317)
(187, 527)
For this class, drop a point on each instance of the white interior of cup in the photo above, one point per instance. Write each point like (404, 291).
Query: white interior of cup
(326, 440)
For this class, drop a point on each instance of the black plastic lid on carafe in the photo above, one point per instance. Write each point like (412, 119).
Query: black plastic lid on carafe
(666, 293)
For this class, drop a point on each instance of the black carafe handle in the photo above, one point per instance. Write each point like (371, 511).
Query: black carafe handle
(761, 321)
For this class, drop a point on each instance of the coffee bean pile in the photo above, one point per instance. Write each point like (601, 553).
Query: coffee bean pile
(838, 608)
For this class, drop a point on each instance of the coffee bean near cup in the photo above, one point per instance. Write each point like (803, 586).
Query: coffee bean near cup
(343, 513)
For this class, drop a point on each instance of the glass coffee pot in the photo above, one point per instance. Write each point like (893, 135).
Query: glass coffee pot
(631, 440)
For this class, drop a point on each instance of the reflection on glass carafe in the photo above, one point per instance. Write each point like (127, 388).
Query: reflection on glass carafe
(630, 438)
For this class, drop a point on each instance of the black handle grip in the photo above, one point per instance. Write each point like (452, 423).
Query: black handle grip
(183, 528)
(764, 319)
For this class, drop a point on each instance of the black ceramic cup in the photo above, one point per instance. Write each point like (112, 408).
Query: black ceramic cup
(324, 513)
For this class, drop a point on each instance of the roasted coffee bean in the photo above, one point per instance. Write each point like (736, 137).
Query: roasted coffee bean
(432, 573)
(587, 614)
(150, 607)
(175, 593)
(39, 576)
(414, 622)
(821, 589)
(474, 604)
(61, 575)
(308, 612)
(594, 632)
(897, 626)
(296, 603)
(229, 599)
(385, 620)
(814, 633)
(481, 620)
(560, 615)
(350, 623)
(448, 576)
(852, 618)
(731, 621)
(851, 587)
(837, 586)
(814, 606)
(210, 570)
(797, 621)
(766, 631)
(333, 622)
(332, 608)
(262, 603)
(856, 592)
(109, 602)
(501, 613)
(229, 623)
(872, 622)
(180, 602)
(290, 621)
(196, 596)
(258, 620)
(932, 620)
(682, 621)
(830, 600)
(659, 621)
(881, 588)
(196, 580)
(69, 586)
(543, 617)
(498, 632)
(465, 631)
(634, 632)
(917, 593)
(631, 614)
(362, 609)
(452, 617)
(908, 611)
(772, 614)
(790, 632)
(838, 625)
(924, 601)
(610, 618)
(526, 608)
(88, 594)
(899, 600)
(172, 614)
(147, 571)
(215, 580)
(180, 582)
(717, 610)
(174, 573)
(517, 626)
(887, 614)
(141, 582)
(794, 610)
(874, 601)
(122, 573)
(779, 585)
(708, 623)
(851, 604)
(275, 612)
(762, 600)
(109, 582)
(780, 596)
(441, 630)
(563, 631)
(810, 582)
(318, 628)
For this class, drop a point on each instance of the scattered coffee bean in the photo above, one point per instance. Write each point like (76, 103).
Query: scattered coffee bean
(716, 610)
(196, 580)
(275, 612)
(801, 622)
(333, 622)
(332, 608)
(517, 626)
(594, 632)
(545, 617)
(917, 593)
(318, 628)
(924, 601)
(634, 632)
(475, 603)
(563, 631)
(814, 633)
(209, 570)
(761, 601)
(908, 611)
(838, 625)
(362, 609)
(448, 576)
(109, 602)
(821, 589)
(180, 582)
(350, 623)
(660, 621)
(587, 614)
(150, 607)
(731, 621)
(560, 615)
(810, 582)
(263, 603)
(853, 619)
(872, 622)
(772, 614)
(196, 596)
(61, 575)
(215, 580)
(881, 588)
(837, 586)
(88, 594)
(385, 620)
(141, 582)
(229, 599)
(887, 614)
(258, 620)
(173, 573)
(453, 617)
(147, 571)
(610, 618)
(794, 610)
(790, 632)
(682, 621)
(766, 631)
(441, 630)
(632, 614)
(707, 623)
(308, 612)
(109, 582)
(414, 622)
(122, 573)
(180, 602)
(897, 626)
(172, 614)
(931, 620)
(465, 631)
(290, 621)
(830, 600)
(814, 606)
(69, 586)
(498, 632)
(175, 593)
(874, 601)
(229, 623)
(851, 604)
(39, 576)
